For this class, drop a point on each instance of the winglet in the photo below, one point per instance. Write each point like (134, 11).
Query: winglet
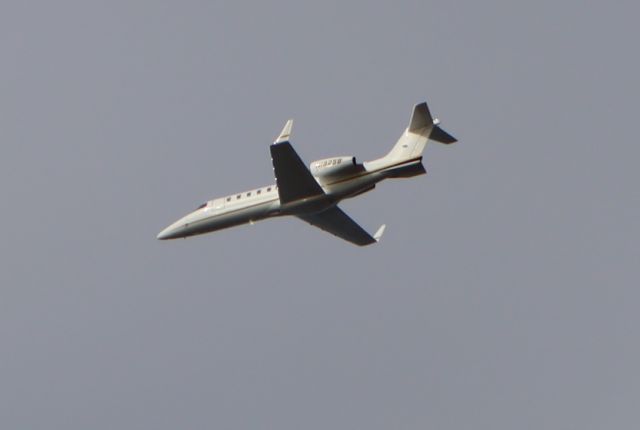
(379, 233)
(285, 133)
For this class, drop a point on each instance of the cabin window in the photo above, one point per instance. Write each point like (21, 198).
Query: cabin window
(269, 189)
(228, 199)
(258, 192)
(238, 197)
(248, 194)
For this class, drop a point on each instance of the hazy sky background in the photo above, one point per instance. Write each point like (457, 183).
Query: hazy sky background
(504, 294)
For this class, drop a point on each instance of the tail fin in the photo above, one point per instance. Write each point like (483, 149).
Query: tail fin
(421, 119)
(409, 147)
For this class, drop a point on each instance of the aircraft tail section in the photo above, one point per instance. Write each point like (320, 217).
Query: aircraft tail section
(409, 147)
(422, 128)
(423, 123)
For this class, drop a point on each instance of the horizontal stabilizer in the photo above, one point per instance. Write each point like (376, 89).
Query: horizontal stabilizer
(439, 135)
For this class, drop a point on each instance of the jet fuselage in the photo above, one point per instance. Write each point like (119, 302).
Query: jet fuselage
(313, 193)
(261, 203)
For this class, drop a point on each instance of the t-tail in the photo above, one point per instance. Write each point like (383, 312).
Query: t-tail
(405, 158)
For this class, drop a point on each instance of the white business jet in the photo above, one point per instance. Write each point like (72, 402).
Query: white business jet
(312, 194)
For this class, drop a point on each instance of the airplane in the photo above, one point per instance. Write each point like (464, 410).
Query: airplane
(312, 194)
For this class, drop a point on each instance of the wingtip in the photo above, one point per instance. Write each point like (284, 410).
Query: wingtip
(285, 133)
(380, 232)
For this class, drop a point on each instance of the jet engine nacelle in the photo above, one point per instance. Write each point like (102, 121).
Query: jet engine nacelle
(335, 166)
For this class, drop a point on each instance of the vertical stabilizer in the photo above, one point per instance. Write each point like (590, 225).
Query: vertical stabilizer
(420, 118)
(409, 147)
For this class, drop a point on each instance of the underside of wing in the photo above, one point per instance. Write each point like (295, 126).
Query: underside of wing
(294, 180)
(338, 223)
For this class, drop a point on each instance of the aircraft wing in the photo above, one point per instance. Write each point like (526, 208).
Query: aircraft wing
(294, 179)
(338, 223)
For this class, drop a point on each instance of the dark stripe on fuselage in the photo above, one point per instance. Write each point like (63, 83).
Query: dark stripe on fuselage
(360, 175)
(197, 225)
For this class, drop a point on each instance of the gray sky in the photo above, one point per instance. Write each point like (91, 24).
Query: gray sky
(503, 295)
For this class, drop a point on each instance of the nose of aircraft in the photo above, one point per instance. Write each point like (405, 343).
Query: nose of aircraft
(164, 234)
(178, 229)
(170, 232)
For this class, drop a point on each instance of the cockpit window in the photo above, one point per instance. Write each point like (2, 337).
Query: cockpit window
(202, 205)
